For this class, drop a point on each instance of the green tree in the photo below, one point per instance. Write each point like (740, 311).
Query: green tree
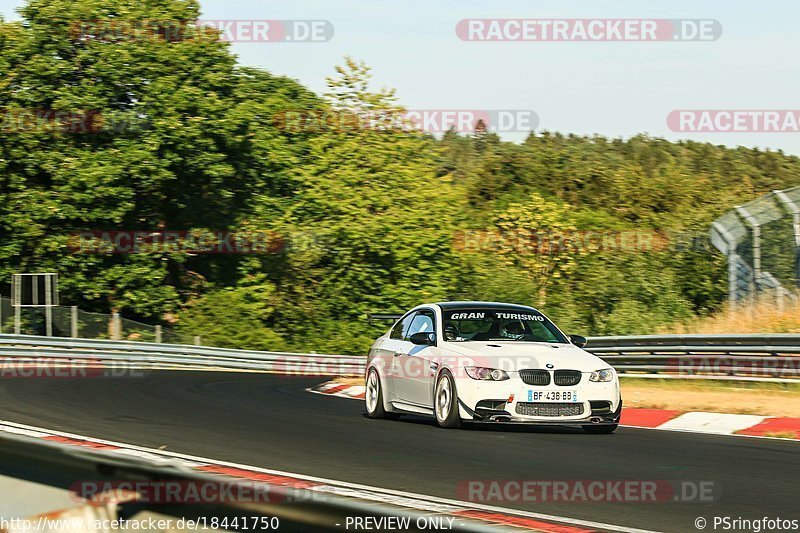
(185, 139)
(538, 237)
(370, 223)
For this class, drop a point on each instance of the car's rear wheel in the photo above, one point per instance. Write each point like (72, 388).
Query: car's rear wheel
(445, 402)
(605, 429)
(374, 397)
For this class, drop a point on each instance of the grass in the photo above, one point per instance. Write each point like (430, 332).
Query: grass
(772, 399)
(766, 399)
(712, 385)
(764, 316)
(781, 434)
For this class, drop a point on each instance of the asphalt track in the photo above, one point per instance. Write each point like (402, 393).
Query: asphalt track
(270, 421)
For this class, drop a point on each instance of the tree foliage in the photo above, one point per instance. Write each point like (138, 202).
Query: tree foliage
(373, 217)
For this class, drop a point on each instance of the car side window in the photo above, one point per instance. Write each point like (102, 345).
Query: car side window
(422, 323)
(399, 330)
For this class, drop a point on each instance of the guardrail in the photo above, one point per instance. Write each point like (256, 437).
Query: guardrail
(60, 466)
(743, 357)
(30, 347)
(774, 358)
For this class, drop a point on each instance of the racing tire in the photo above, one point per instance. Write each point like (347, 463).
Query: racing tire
(445, 402)
(601, 430)
(373, 398)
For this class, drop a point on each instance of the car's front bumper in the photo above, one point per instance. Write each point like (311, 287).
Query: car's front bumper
(499, 402)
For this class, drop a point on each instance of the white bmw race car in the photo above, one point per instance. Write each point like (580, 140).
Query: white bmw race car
(489, 362)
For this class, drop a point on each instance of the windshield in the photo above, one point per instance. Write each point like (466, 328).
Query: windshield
(477, 324)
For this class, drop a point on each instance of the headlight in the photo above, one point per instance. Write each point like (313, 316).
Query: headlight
(607, 374)
(486, 374)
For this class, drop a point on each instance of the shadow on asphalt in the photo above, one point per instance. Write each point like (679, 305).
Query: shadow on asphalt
(494, 426)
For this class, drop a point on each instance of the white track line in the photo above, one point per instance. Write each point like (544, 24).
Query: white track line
(718, 423)
(403, 495)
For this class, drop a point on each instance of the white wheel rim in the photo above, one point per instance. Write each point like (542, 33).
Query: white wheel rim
(444, 398)
(373, 387)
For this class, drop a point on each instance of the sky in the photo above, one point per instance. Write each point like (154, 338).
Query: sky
(615, 89)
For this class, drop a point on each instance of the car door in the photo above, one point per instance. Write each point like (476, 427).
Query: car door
(413, 378)
(390, 350)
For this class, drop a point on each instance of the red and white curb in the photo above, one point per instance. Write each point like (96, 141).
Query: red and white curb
(356, 392)
(697, 422)
(461, 511)
(713, 423)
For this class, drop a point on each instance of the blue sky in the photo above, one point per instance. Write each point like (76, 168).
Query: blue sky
(614, 89)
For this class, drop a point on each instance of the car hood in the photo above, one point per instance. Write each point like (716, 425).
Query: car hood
(515, 355)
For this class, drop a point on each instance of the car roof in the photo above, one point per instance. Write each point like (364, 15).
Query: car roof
(483, 305)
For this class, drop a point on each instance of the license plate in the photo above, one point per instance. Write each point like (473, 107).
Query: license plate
(553, 396)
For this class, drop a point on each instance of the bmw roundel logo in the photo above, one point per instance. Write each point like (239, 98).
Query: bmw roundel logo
(550, 366)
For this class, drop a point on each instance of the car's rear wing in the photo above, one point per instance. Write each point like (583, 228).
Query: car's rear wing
(384, 317)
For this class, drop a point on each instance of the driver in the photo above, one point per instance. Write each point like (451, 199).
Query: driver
(512, 330)
(450, 332)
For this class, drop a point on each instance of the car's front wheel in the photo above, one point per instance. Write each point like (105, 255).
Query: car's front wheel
(445, 401)
(374, 397)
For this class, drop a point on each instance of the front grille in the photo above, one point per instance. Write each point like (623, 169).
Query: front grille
(567, 378)
(549, 409)
(535, 377)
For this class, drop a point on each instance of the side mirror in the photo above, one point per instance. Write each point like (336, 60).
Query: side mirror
(578, 341)
(423, 338)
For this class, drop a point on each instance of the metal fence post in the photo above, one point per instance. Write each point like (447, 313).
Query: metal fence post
(197, 340)
(755, 231)
(16, 300)
(73, 322)
(48, 303)
(794, 210)
(116, 327)
(158, 333)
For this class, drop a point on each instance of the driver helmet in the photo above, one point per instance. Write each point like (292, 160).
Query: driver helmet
(450, 332)
(512, 330)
